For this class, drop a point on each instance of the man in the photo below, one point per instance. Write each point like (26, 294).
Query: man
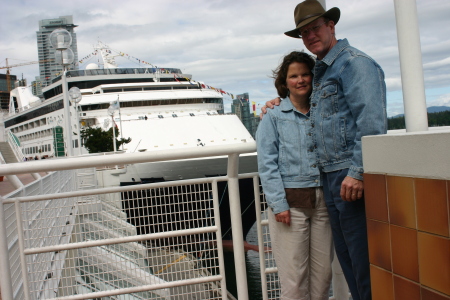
(348, 101)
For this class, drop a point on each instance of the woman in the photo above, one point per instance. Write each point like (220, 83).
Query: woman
(298, 218)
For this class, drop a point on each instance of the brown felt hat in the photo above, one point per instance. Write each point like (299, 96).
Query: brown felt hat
(308, 11)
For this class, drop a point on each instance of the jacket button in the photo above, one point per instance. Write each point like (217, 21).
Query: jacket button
(312, 125)
(314, 104)
(313, 166)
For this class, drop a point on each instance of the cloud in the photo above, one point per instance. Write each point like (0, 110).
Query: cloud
(230, 44)
(441, 100)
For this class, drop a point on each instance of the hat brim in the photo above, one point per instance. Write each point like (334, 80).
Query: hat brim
(333, 14)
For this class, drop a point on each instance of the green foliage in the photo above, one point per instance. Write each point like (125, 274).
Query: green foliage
(434, 120)
(97, 140)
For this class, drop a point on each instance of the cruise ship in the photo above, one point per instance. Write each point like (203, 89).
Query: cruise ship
(157, 108)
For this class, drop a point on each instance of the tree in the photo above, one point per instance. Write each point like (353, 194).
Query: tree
(434, 119)
(97, 140)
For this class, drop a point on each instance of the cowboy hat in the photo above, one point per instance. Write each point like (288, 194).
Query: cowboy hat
(308, 11)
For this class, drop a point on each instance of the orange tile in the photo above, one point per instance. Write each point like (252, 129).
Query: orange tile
(428, 294)
(448, 203)
(434, 262)
(405, 289)
(431, 206)
(379, 244)
(375, 197)
(405, 259)
(402, 210)
(382, 284)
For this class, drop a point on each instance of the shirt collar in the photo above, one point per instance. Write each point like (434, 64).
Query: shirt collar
(334, 52)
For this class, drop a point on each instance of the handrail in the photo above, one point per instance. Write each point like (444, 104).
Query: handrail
(72, 163)
(13, 142)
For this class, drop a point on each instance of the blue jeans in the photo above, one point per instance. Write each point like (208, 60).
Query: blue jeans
(348, 224)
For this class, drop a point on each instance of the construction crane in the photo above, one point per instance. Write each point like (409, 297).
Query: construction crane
(8, 69)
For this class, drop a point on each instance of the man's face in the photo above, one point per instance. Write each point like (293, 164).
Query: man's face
(319, 37)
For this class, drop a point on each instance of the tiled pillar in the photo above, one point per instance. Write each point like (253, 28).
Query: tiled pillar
(407, 192)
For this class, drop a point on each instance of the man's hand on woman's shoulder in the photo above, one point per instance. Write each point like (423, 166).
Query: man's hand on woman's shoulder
(269, 104)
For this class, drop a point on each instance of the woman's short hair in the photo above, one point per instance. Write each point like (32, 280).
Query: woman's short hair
(280, 73)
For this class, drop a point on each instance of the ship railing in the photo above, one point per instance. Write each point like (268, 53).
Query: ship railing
(121, 71)
(15, 146)
(62, 237)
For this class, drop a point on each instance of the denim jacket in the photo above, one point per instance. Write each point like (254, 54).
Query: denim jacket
(286, 156)
(348, 101)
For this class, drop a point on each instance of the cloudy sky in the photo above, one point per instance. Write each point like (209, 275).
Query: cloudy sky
(231, 44)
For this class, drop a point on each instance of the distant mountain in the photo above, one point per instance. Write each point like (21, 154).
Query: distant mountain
(431, 109)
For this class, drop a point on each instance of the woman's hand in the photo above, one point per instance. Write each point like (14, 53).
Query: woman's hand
(284, 217)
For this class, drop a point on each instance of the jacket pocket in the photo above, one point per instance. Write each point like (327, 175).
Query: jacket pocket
(328, 100)
(293, 149)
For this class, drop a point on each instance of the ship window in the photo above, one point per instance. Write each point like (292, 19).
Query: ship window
(132, 89)
(112, 91)
(155, 88)
(174, 115)
(161, 116)
(191, 114)
(208, 113)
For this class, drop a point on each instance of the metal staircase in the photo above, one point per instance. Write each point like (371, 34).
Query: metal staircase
(7, 153)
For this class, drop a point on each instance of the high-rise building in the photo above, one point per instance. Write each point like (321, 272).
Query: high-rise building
(36, 86)
(241, 108)
(4, 90)
(49, 69)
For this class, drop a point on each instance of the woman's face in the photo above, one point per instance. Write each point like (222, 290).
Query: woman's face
(299, 81)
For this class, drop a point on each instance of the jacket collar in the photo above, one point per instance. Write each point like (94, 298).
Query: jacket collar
(334, 52)
(286, 104)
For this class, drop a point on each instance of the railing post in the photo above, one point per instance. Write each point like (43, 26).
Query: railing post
(5, 269)
(67, 117)
(416, 118)
(262, 252)
(216, 205)
(236, 227)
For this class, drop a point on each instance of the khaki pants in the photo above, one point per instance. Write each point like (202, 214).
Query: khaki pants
(303, 252)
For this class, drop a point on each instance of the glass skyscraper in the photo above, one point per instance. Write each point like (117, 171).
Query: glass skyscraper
(48, 68)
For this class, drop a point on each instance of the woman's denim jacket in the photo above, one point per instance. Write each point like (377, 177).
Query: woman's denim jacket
(348, 102)
(286, 156)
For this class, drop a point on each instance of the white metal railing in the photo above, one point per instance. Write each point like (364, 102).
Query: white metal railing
(64, 238)
(86, 231)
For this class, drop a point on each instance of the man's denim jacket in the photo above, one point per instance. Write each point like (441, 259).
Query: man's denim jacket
(286, 156)
(348, 102)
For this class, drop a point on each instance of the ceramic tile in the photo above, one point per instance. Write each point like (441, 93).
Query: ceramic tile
(405, 259)
(375, 197)
(434, 262)
(382, 284)
(428, 294)
(448, 203)
(379, 244)
(431, 206)
(401, 205)
(405, 289)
